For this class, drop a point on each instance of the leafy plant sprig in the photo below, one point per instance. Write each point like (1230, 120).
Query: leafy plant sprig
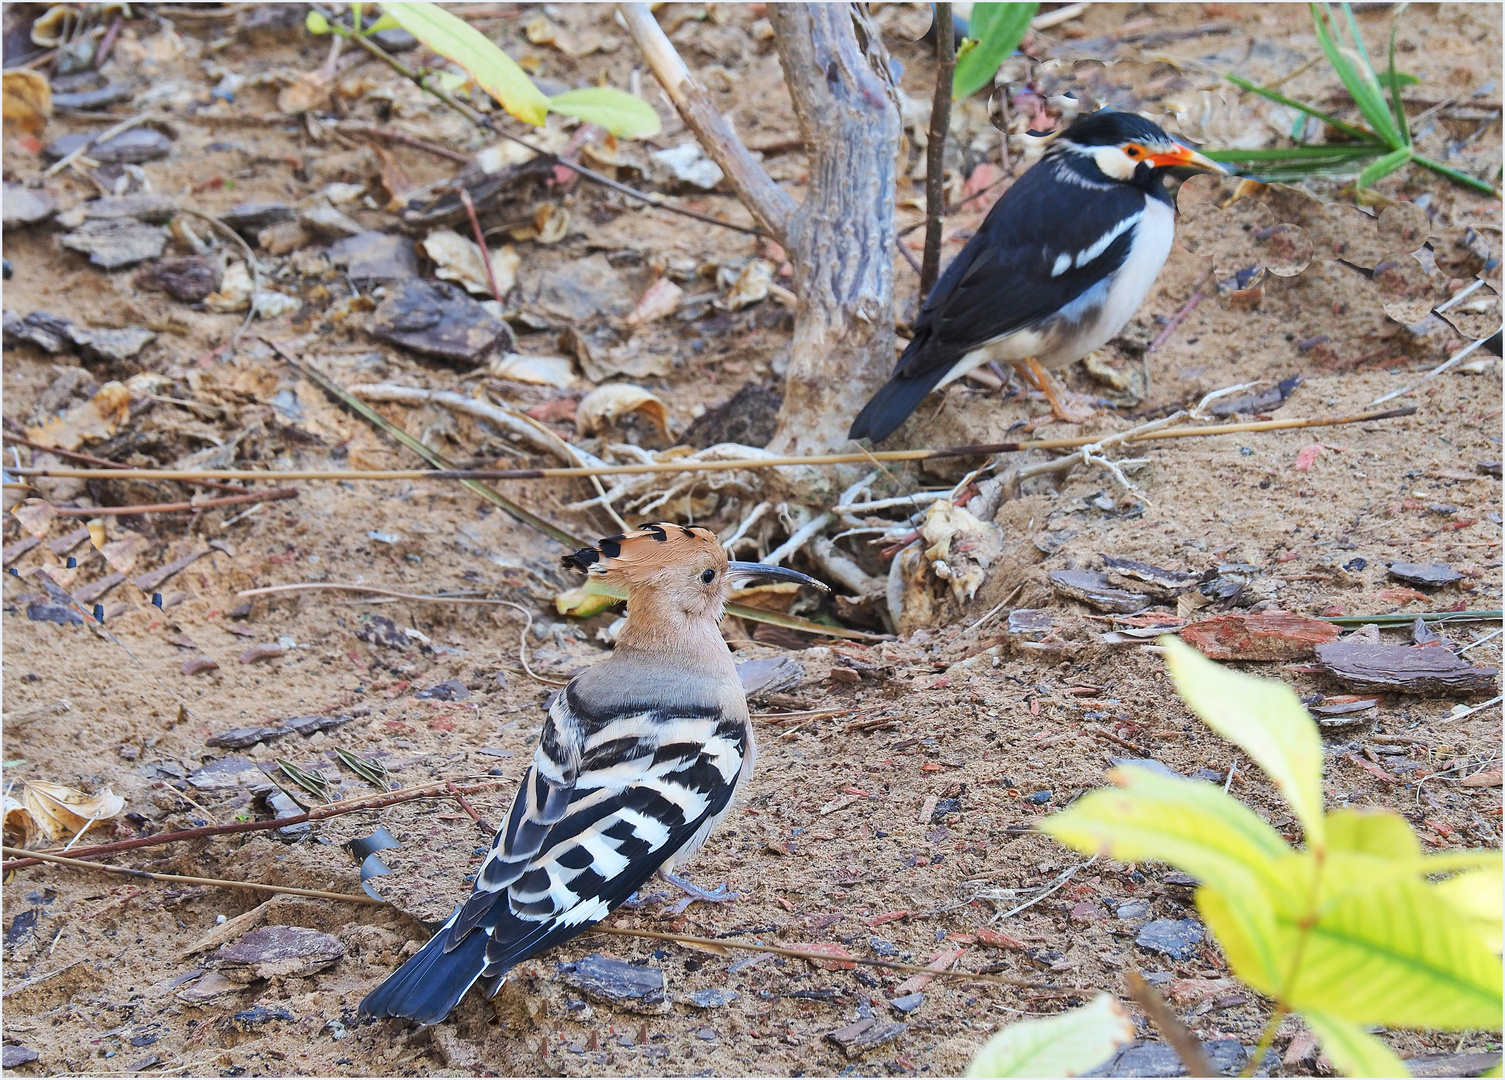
(621, 113)
(994, 32)
(1374, 152)
(1358, 927)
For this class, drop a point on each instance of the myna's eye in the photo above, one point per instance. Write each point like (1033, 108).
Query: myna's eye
(708, 576)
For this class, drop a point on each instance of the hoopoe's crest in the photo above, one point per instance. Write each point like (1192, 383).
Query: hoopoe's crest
(644, 554)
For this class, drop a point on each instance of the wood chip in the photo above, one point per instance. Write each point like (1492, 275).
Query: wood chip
(1264, 635)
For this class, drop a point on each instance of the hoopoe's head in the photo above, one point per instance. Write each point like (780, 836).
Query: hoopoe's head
(683, 566)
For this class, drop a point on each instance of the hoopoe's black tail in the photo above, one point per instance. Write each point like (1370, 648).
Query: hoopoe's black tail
(431, 983)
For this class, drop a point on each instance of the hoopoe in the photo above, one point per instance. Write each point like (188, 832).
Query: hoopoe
(639, 758)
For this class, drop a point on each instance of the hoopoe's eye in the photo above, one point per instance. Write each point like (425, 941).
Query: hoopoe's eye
(708, 576)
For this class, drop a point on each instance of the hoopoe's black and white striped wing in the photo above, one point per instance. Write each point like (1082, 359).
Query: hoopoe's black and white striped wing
(607, 801)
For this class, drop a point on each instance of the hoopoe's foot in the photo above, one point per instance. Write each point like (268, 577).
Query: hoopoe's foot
(1066, 407)
(637, 900)
(693, 892)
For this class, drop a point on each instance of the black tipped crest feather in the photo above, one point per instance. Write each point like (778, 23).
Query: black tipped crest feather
(652, 545)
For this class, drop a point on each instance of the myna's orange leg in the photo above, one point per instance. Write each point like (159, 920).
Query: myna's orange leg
(1033, 372)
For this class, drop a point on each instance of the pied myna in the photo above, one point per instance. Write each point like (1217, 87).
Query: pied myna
(1058, 267)
(638, 760)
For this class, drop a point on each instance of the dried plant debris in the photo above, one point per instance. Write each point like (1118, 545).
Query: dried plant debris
(62, 813)
(1095, 590)
(615, 982)
(1161, 581)
(1424, 575)
(372, 257)
(1401, 668)
(190, 279)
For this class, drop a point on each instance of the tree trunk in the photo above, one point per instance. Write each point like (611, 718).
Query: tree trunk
(841, 237)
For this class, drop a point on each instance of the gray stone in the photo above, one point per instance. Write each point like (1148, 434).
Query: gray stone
(13, 1057)
(143, 206)
(867, 1033)
(131, 147)
(1094, 590)
(908, 1003)
(115, 242)
(278, 951)
(448, 690)
(376, 256)
(439, 320)
(1133, 909)
(111, 345)
(713, 997)
(22, 205)
(1227, 1056)
(617, 982)
(1424, 575)
(1176, 938)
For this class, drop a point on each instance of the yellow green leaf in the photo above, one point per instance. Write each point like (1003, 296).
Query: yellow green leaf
(1265, 719)
(316, 23)
(1395, 953)
(1247, 932)
(1353, 1050)
(1194, 826)
(622, 114)
(582, 602)
(1068, 1044)
(492, 69)
(1372, 832)
(386, 22)
(1479, 897)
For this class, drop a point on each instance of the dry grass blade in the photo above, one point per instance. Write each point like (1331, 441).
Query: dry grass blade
(316, 784)
(368, 769)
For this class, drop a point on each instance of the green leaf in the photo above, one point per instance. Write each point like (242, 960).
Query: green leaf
(1456, 176)
(1479, 897)
(386, 22)
(622, 114)
(1372, 832)
(1246, 930)
(492, 69)
(998, 29)
(1391, 949)
(1353, 1050)
(316, 23)
(1393, 78)
(1068, 1044)
(1338, 151)
(1265, 719)
(1352, 64)
(1383, 167)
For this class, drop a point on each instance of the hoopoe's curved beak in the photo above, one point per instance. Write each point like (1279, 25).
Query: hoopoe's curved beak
(778, 573)
(1184, 157)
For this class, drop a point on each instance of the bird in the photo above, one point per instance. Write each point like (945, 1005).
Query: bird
(1059, 265)
(639, 759)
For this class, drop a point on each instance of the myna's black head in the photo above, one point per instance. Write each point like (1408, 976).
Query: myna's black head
(1127, 148)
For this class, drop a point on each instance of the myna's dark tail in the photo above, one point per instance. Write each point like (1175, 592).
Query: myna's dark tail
(891, 405)
(432, 982)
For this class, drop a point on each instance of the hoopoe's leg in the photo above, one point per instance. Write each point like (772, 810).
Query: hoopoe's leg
(693, 892)
(1032, 371)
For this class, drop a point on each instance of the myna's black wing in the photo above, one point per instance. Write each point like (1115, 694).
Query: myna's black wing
(1027, 262)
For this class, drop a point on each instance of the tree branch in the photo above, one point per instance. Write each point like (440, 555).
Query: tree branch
(935, 151)
(770, 204)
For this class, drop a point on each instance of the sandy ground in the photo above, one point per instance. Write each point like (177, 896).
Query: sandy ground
(845, 836)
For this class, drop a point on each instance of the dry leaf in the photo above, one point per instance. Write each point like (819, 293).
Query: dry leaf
(751, 285)
(459, 260)
(609, 403)
(97, 537)
(556, 371)
(961, 547)
(122, 554)
(550, 223)
(27, 102)
(661, 299)
(97, 418)
(19, 825)
(541, 30)
(307, 92)
(36, 517)
(63, 812)
(582, 602)
(394, 180)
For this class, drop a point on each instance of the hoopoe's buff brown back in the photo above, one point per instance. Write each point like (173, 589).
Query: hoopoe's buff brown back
(647, 551)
